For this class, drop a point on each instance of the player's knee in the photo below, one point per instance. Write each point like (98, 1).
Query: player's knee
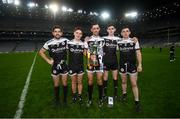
(124, 82)
(64, 83)
(56, 85)
(90, 82)
(79, 81)
(73, 83)
(134, 85)
(115, 78)
(99, 81)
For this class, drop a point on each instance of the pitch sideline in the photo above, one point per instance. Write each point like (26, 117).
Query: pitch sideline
(22, 100)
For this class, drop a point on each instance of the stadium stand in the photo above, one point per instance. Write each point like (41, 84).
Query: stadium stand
(23, 29)
(7, 46)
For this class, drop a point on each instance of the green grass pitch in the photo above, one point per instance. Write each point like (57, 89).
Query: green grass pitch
(158, 84)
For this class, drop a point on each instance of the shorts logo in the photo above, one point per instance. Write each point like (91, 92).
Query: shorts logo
(133, 71)
(70, 71)
(122, 69)
(71, 49)
(54, 71)
(80, 72)
(63, 43)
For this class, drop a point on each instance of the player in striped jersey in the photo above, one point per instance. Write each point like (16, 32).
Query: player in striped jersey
(94, 46)
(129, 53)
(58, 55)
(110, 59)
(75, 63)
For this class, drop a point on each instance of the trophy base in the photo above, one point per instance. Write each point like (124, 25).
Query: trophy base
(110, 102)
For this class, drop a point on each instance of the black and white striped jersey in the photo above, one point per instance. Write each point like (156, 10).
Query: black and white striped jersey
(110, 48)
(57, 49)
(128, 49)
(76, 49)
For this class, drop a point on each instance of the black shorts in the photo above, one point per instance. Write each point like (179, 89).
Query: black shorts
(76, 69)
(110, 66)
(58, 68)
(127, 67)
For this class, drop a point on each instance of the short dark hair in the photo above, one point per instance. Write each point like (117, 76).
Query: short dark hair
(111, 24)
(57, 27)
(77, 28)
(125, 28)
(94, 23)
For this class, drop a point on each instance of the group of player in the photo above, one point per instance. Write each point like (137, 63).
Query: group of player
(101, 54)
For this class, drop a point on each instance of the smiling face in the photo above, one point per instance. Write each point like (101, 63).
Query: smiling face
(57, 33)
(95, 29)
(125, 32)
(77, 34)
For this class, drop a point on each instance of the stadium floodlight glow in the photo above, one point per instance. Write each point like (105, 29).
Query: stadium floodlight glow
(16, 2)
(4, 1)
(64, 8)
(10, 1)
(31, 4)
(46, 6)
(70, 10)
(105, 15)
(91, 13)
(96, 14)
(54, 7)
(131, 14)
(80, 11)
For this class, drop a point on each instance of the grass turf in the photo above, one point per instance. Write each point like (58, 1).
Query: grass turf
(158, 84)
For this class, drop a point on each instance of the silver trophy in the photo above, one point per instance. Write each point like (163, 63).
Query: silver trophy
(95, 50)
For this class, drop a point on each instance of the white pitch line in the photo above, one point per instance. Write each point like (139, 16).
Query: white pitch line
(22, 100)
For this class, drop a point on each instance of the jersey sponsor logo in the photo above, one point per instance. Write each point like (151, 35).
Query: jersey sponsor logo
(76, 50)
(58, 49)
(111, 45)
(126, 48)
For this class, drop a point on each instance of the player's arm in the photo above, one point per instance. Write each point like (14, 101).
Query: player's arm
(86, 39)
(86, 45)
(135, 39)
(44, 56)
(139, 60)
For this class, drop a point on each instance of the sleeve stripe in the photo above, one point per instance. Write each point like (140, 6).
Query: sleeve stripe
(138, 48)
(44, 48)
